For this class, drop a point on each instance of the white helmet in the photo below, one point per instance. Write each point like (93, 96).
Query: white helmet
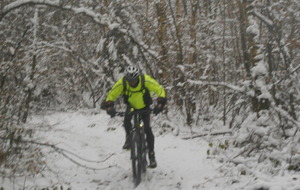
(132, 73)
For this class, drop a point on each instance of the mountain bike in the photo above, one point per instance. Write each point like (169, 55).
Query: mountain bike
(139, 148)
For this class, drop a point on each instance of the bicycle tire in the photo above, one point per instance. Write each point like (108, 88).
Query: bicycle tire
(143, 151)
(136, 162)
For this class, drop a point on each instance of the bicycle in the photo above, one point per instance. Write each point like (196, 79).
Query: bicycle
(139, 148)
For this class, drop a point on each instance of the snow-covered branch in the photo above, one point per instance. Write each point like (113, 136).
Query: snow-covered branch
(230, 86)
(276, 32)
(208, 134)
(100, 19)
(286, 115)
(288, 75)
(65, 153)
(264, 19)
(17, 4)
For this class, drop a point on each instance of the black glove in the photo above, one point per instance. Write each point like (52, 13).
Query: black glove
(111, 111)
(109, 107)
(160, 105)
(157, 109)
(106, 104)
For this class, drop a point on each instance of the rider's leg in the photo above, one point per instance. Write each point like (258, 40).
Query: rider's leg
(127, 126)
(150, 140)
(149, 133)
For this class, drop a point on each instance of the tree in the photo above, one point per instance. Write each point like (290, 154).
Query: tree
(217, 60)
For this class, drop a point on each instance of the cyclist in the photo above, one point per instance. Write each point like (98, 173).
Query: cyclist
(137, 90)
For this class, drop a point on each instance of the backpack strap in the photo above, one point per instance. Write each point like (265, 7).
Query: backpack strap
(143, 81)
(124, 85)
(125, 97)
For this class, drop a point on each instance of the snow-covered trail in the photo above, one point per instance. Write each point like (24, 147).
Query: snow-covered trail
(182, 164)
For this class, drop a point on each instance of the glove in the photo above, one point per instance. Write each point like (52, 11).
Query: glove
(109, 107)
(160, 105)
(111, 111)
(106, 104)
(157, 109)
(162, 101)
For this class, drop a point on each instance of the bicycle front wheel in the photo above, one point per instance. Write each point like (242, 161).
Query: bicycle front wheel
(136, 164)
(143, 151)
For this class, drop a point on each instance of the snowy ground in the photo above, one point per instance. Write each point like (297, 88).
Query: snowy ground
(94, 141)
(182, 164)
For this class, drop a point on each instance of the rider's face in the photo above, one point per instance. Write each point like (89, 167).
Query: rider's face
(134, 82)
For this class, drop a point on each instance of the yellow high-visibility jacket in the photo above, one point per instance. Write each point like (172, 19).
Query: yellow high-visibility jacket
(136, 94)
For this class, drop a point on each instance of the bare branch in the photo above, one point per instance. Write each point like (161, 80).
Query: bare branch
(206, 134)
(65, 153)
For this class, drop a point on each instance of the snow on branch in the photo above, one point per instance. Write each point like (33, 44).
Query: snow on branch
(96, 17)
(276, 31)
(264, 19)
(57, 4)
(20, 3)
(230, 86)
(286, 115)
(287, 76)
(208, 134)
(249, 93)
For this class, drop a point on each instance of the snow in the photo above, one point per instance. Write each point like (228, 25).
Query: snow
(253, 28)
(259, 69)
(199, 82)
(20, 2)
(89, 156)
(135, 51)
(95, 141)
(263, 18)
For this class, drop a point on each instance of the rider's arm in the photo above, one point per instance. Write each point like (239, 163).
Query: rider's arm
(115, 91)
(152, 85)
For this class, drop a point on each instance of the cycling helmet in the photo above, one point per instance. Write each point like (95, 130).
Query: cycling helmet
(132, 73)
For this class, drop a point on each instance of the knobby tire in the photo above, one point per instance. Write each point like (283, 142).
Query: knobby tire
(138, 150)
(143, 153)
(136, 164)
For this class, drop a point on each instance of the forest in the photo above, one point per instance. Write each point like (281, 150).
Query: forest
(231, 61)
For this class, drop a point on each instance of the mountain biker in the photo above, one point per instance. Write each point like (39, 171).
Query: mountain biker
(137, 90)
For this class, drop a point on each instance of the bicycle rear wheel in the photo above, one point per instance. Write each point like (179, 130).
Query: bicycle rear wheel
(136, 161)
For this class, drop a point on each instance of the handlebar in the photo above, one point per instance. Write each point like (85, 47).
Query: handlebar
(134, 111)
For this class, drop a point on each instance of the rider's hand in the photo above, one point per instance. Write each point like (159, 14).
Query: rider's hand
(111, 111)
(157, 109)
(160, 105)
(106, 104)
(109, 107)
